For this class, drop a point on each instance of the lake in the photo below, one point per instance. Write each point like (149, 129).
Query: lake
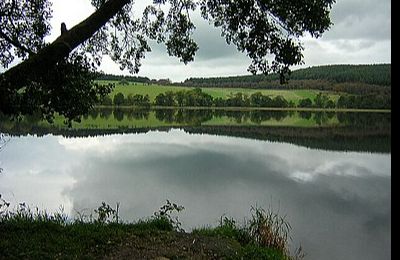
(328, 173)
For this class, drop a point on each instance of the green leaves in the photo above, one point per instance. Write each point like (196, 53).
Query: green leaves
(166, 213)
(266, 28)
(23, 26)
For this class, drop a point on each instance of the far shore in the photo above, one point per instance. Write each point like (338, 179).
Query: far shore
(312, 109)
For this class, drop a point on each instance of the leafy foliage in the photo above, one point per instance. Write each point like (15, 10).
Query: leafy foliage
(24, 24)
(68, 89)
(58, 78)
(263, 27)
(106, 214)
(166, 213)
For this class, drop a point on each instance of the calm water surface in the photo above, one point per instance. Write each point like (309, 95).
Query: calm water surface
(338, 203)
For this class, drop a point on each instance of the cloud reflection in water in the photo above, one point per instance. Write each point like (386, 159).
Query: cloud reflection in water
(338, 203)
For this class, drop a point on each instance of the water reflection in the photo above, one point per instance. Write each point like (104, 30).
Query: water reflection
(221, 116)
(337, 202)
(322, 130)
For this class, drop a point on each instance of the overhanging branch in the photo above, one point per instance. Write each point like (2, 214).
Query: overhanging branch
(16, 43)
(20, 75)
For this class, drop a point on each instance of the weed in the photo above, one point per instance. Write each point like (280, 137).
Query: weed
(165, 213)
(264, 236)
(268, 229)
(4, 205)
(106, 214)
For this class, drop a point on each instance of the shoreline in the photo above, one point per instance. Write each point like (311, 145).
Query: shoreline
(372, 110)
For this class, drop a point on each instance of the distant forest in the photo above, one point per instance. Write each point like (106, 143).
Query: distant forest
(123, 78)
(374, 74)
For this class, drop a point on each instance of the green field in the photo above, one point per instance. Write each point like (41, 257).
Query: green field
(154, 90)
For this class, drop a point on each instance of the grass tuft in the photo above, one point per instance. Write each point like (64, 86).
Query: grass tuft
(264, 236)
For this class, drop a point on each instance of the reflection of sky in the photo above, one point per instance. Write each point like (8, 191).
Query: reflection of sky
(338, 203)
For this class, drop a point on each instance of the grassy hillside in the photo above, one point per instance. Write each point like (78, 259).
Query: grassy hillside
(374, 74)
(361, 86)
(354, 79)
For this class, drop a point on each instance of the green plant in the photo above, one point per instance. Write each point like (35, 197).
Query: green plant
(4, 205)
(106, 214)
(166, 213)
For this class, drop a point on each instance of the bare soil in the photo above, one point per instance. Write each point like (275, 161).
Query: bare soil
(173, 245)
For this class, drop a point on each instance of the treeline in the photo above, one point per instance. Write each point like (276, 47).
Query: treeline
(131, 100)
(197, 98)
(355, 79)
(126, 80)
(138, 79)
(374, 74)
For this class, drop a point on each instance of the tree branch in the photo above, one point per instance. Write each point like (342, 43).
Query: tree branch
(20, 75)
(16, 43)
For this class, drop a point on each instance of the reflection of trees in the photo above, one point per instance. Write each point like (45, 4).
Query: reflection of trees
(258, 116)
(355, 132)
(330, 114)
(118, 114)
(166, 115)
(94, 113)
(365, 120)
(279, 115)
(184, 116)
(237, 116)
(305, 114)
(192, 116)
(325, 138)
(138, 114)
(197, 117)
(105, 113)
(320, 118)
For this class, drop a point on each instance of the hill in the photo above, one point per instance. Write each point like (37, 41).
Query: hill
(327, 77)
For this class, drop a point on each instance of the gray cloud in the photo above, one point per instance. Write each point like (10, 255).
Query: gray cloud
(361, 19)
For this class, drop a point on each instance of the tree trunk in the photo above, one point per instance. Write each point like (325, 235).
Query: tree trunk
(18, 76)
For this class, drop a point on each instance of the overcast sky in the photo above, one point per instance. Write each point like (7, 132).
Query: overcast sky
(361, 34)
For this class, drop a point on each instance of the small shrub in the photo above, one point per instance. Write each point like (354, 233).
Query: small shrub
(165, 213)
(106, 214)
